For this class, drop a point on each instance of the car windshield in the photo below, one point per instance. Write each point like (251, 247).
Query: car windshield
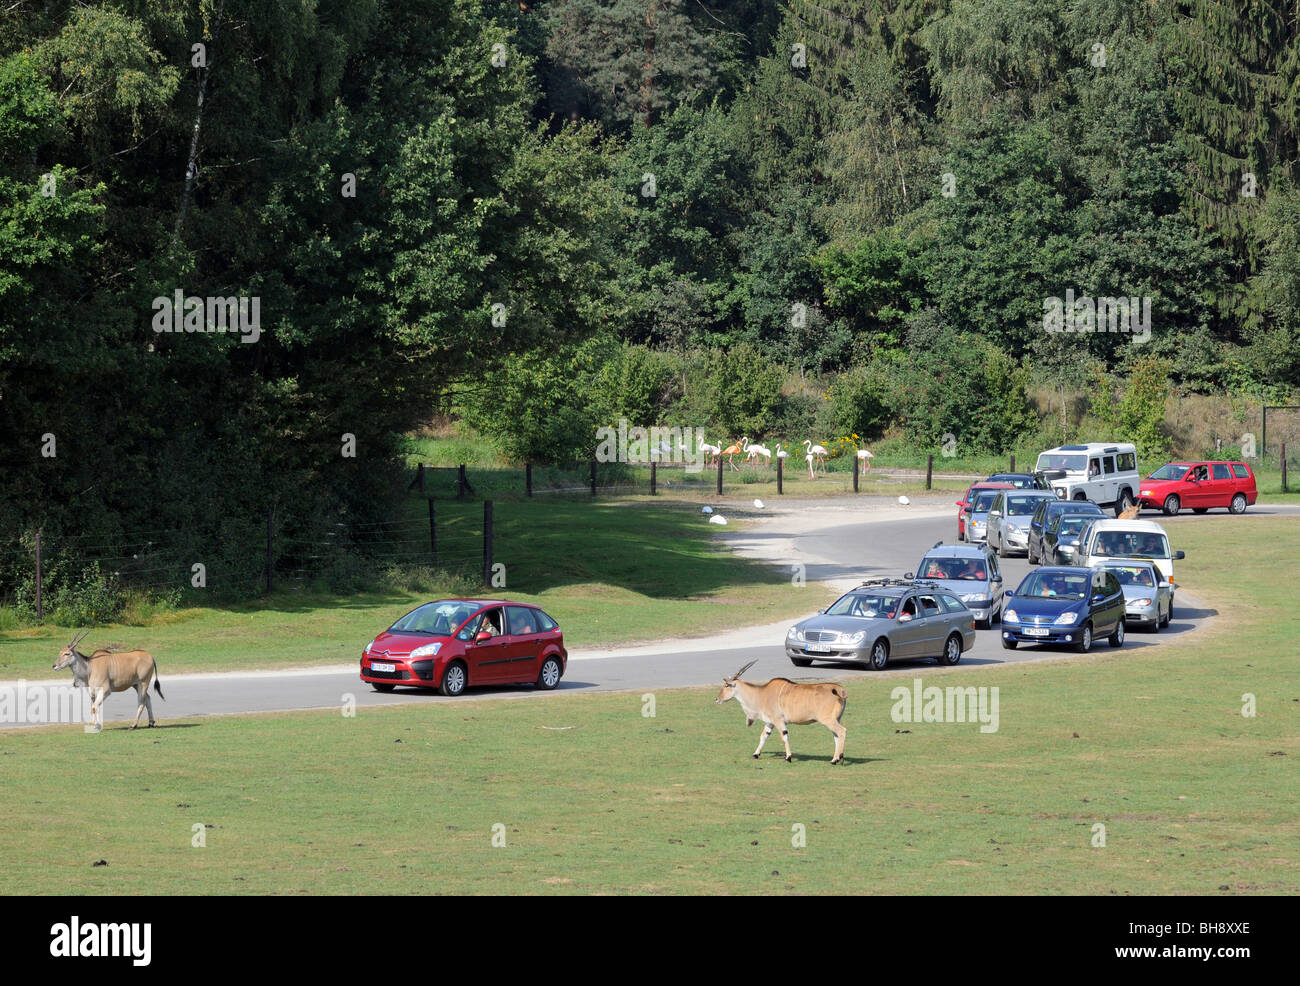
(1133, 574)
(1071, 525)
(1022, 506)
(440, 618)
(983, 500)
(865, 604)
(1059, 460)
(1171, 471)
(1016, 480)
(1130, 544)
(1069, 584)
(953, 568)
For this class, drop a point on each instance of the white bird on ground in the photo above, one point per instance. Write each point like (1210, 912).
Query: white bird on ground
(817, 451)
(759, 504)
(904, 500)
(718, 519)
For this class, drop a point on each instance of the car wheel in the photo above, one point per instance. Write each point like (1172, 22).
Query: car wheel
(1238, 504)
(454, 679)
(1029, 556)
(382, 688)
(951, 650)
(1172, 505)
(1169, 617)
(880, 654)
(1009, 644)
(1085, 644)
(549, 676)
(1002, 548)
(1080, 496)
(1125, 501)
(1160, 621)
(801, 662)
(1116, 639)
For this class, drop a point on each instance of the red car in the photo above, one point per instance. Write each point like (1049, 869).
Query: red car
(454, 643)
(1198, 486)
(968, 496)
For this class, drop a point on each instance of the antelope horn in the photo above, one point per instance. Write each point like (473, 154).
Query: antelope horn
(745, 668)
(77, 639)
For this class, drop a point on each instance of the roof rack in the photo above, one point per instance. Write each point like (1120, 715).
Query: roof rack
(885, 582)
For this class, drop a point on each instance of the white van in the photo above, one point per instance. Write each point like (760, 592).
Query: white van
(1105, 473)
(1104, 540)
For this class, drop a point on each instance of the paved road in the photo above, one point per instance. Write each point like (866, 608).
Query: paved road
(833, 542)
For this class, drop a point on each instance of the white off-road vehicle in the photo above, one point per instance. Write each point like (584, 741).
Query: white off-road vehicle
(1105, 473)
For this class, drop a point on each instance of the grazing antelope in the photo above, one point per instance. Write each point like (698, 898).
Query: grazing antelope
(781, 701)
(1129, 513)
(105, 672)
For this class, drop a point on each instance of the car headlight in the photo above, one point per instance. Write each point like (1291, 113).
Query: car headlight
(854, 639)
(1144, 492)
(428, 650)
(1066, 619)
(974, 597)
(1141, 602)
(368, 646)
(1010, 617)
(794, 633)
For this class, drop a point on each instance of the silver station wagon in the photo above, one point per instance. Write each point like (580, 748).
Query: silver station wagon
(883, 620)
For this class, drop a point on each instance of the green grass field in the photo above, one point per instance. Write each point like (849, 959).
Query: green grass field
(609, 571)
(591, 796)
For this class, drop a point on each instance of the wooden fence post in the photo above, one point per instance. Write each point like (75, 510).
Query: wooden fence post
(854, 462)
(1284, 489)
(487, 542)
(929, 469)
(528, 478)
(780, 471)
(270, 557)
(653, 466)
(593, 477)
(461, 483)
(433, 532)
(719, 475)
(40, 611)
(1013, 463)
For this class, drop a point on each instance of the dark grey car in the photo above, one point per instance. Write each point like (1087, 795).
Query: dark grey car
(885, 619)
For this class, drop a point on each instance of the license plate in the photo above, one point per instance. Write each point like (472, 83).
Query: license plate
(818, 648)
(1037, 631)
(377, 666)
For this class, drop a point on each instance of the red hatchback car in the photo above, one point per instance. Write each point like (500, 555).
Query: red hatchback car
(1198, 486)
(454, 643)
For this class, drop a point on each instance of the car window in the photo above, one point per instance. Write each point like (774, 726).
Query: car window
(909, 607)
(865, 604)
(1112, 584)
(1109, 463)
(1127, 462)
(544, 623)
(522, 620)
(952, 604)
(439, 618)
(1055, 584)
(1130, 544)
(1022, 506)
(984, 501)
(1221, 471)
(1240, 470)
(490, 621)
(930, 605)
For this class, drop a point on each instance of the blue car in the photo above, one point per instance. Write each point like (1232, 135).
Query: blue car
(1061, 605)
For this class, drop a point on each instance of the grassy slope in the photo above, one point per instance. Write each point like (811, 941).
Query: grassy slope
(1149, 742)
(610, 572)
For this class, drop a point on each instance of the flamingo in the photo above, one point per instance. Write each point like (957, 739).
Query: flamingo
(709, 451)
(809, 457)
(864, 460)
(816, 450)
(733, 450)
(752, 452)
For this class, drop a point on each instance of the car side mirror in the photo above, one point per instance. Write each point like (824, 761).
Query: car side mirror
(820, 612)
(996, 578)
(909, 575)
(1009, 593)
(1164, 585)
(1179, 556)
(481, 636)
(905, 618)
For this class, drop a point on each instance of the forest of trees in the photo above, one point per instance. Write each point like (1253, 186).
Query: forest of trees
(545, 215)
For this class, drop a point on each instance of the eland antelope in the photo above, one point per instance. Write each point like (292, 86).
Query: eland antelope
(781, 701)
(105, 672)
